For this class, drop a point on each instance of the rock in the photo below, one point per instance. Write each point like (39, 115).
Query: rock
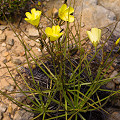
(17, 116)
(9, 88)
(115, 116)
(1, 31)
(1, 116)
(115, 80)
(5, 54)
(28, 116)
(97, 16)
(20, 97)
(3, 45)
(110, 85)
(2, 38)
(9, 47)
(32, 32)
(53, 12)
(117, 30)
(8, 58)
(4, 61)
(3, 108)
(113, 5)
(23, 115)
(6, 117)
(32, 44)
(3, 22)
(3, 27)
(87, 3)
(16, 61)
(10, 42)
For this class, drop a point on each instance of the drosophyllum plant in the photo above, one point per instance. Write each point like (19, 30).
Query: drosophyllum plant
(64, 85)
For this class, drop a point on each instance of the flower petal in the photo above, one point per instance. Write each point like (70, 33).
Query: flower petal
(56, 29)
(28, 15)
(33, 10)
(90, 36)
(117, 42)
(69, 10)
(48, 31)
(33, 17)
(63, 8)
(71, 18)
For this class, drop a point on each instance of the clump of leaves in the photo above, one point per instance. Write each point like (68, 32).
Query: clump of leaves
(12, 8)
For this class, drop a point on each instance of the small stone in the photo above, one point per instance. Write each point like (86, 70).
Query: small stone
(28, 115)
(32, 43)
(22, 53)
(10, 42)
(17, 61)
(115, 116)
(5, 54)
(17, 116)
(9, 47)
(110, 85)
(6, 117)
(4, 61)
(114, 73)
(1, 116)
(3, 108)
(9, 88)
(1, 31)
(115, 80)
(10, 109)
(3, 45)
(2, 38)
(33, 33)
(8, 58)
(3, 27)
(44, 3)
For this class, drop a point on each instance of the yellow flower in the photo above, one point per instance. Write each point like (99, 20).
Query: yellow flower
(94, 36)
(117, 42)
(64, 13)
(33, 17)
(53, 33)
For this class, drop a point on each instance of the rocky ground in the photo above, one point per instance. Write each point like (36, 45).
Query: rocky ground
(95, 13)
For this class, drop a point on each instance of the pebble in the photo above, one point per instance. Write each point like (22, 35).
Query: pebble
(16, 61)
(1, 116)
(9, 88)
(3, 108)
(1, 31)
(10, 42)
(115, 80)
(3, 44)
(3, 27)
(110, 85)
(116, 32)
(114, 73)
(113, 5)
(6, 117)
(9, 47)
(115, 116)
(2, 38)
(32, 32)
(19, 115)
(32, 44)
(5, 60)
(8, 58)
(5, 54)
